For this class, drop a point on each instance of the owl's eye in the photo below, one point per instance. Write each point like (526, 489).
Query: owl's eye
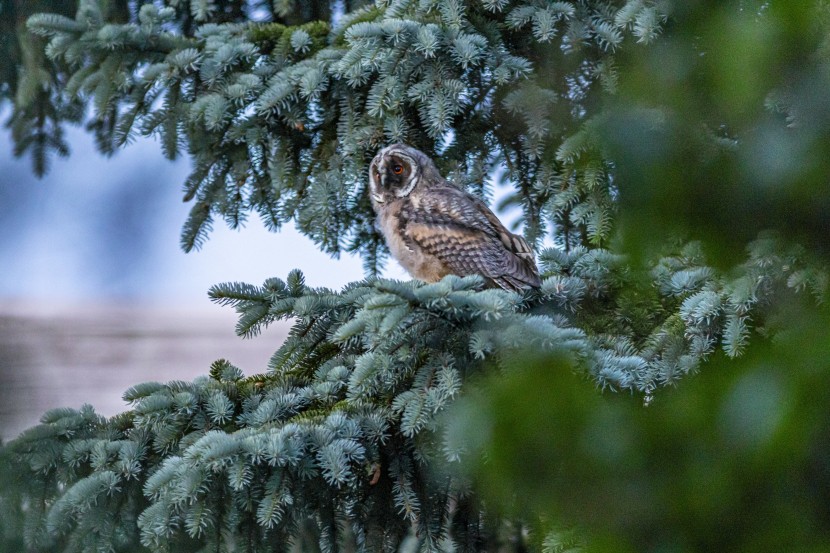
(397, 169)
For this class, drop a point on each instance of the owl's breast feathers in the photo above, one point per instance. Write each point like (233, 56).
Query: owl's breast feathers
(447, 231)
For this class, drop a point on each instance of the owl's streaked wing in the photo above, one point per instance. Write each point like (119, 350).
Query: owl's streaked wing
(462, 232)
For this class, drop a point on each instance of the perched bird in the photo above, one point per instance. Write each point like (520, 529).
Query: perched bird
(434, 228)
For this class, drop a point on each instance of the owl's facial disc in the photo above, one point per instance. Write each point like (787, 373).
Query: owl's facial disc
(393, 173)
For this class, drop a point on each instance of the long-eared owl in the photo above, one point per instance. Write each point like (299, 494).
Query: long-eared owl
(434, 228)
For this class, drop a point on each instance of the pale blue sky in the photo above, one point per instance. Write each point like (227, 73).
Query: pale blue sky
(98, 228)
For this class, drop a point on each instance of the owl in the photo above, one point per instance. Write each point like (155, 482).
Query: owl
(434, 228)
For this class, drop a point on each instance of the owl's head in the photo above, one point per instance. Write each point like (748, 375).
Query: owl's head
(396, 171)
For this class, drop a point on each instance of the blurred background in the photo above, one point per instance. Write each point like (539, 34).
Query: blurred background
(95, 293)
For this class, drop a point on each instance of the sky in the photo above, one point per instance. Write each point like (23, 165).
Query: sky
(96, 294)
(107, 229)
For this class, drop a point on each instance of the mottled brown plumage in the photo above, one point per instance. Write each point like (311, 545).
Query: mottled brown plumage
(434, 228)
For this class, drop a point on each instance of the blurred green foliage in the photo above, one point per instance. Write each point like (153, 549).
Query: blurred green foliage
(718, 131)
(38, 113)
(734, 459)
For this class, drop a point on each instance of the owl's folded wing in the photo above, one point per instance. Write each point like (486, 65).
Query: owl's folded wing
(468, 238)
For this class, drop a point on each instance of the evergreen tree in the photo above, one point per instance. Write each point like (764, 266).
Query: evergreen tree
(653, 141)
(29, 84)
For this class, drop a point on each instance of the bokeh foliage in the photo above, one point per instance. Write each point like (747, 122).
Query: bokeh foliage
(675, 152)
(718, 131)
(734, 459)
